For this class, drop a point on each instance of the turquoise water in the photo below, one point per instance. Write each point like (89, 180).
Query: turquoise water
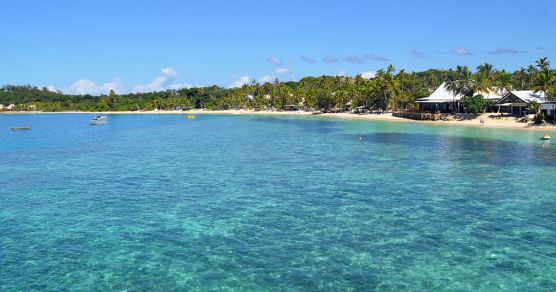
(154, 202)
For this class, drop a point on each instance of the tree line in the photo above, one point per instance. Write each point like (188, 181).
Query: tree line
(389, 89)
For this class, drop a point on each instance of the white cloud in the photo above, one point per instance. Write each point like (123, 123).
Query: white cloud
(368, 74)
(83, 86)
(461, 51)
(162, 82)
(266, 78)
(51, 88)
(177, 86)
(280, 71)
(341, 73)
(170, 72)
(159, 83)
(241, 81)
(274, 60)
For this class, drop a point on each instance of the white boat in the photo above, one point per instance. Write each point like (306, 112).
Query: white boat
(99, 120)
(22, 128)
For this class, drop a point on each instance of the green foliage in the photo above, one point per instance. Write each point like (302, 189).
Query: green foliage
(535, 106)
(324, 100)
(538, 119)
(390, 88)
(476, 104)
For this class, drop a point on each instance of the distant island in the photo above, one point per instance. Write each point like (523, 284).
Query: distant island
(389, 89)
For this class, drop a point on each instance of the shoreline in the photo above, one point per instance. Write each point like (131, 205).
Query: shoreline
(490, 122)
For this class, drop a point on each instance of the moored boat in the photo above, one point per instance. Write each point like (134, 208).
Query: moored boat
(546, 137)
(21, 128)
(99, 120)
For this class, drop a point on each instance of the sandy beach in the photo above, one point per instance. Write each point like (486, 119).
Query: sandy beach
(490, 120)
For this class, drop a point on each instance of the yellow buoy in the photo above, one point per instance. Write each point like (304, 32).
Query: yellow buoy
(190, 117)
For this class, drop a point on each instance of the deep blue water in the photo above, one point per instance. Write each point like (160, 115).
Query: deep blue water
(155, 202)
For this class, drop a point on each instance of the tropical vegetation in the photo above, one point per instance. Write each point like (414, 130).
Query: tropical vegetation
(389, 89)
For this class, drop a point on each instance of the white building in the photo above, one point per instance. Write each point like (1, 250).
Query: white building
(443, 100)
(516, 102)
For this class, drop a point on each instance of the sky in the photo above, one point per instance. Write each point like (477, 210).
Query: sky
(90, 47)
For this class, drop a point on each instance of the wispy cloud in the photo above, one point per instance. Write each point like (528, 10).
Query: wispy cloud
(274, 60)
(375, 58)
(368, 74)
(177, 86)
(84, 86)
(461, 51)
(245, 79)
(160, 83)
(308, 59)
(417, 54)
(504, 51)
(354, 59)
(330, 59)
(265, 79)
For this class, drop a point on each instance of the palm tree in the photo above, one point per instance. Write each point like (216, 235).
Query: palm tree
(531, 74)
(487, 70)
(542, 63)
(535, 106)
(391, 69)
(545, 79)
(464, 85)
(520, 76)
(503, 82)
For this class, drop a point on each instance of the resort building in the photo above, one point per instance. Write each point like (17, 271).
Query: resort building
(441, 100)
(516, 102)
(445, 101)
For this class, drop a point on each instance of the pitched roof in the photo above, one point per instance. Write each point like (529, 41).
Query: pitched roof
(441, 94)
(527, 96)
(492, 95)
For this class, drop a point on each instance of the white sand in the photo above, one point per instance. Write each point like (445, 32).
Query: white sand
(490, 120)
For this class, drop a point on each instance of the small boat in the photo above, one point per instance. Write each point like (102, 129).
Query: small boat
(546, 137)
(22, 128)
(99, 120)
(190, 117)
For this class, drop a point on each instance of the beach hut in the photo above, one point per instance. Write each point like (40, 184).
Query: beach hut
(10, 107)
(441, 100)
(445, 101)
(516, 102)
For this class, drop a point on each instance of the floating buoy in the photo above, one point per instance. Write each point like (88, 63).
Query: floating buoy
(190, 117)
(360, 138)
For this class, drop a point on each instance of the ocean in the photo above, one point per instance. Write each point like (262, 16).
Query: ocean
(254, 202)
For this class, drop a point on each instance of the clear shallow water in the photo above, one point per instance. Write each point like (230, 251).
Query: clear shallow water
(154, 202)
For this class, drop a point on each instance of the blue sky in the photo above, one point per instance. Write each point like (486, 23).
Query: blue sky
(92, 46)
